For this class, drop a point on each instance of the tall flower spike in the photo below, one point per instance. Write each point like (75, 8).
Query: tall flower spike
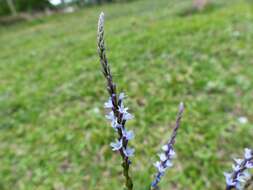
(119, 114)
(238, 179)
(168, 152)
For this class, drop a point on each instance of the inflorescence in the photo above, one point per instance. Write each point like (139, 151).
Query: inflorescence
(239, 176)
(168, 152)
(119, 114)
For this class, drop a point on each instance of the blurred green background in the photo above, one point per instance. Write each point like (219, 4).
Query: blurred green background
(53, 134)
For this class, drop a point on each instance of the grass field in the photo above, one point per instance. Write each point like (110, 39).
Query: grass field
(53, 134)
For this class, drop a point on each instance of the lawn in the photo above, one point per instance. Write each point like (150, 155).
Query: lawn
(53, 134)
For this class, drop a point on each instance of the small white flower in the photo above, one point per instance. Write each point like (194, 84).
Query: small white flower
(165, 148)
(162, 157)
(243, 120)
(248, 153)
(116, 145)
(159, 167)
(108, 104)
(128, 152)
(128, 134)
(168, 164)
(96, 110)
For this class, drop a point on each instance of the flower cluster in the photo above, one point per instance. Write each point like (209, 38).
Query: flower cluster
(118, 114)
(117, 122)
(168, 153)
(239, 176)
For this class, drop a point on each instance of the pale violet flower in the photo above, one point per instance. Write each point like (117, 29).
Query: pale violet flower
(121, 96)
(122, 109)
(248, 153)
(165, 147)
(128, 134)
(110, 116)
(159, 167)
(249, 165)
(113, 120)
(108, 104)
(116, 126)
(168, 164)
(172, 153)
(229, 180)
(128, 152)
(127, 116)
(116, 145)
(162, 157)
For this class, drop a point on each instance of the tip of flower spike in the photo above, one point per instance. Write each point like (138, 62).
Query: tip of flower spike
(101, 21)
(102, 16)
(181, 107)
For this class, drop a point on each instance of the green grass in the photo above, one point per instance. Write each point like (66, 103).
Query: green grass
(53, 134)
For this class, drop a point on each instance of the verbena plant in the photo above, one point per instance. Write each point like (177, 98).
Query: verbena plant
(118, 115)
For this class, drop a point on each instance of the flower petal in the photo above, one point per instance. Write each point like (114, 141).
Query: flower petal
(127, 116)
(108, 104)
(116, 145)
(248, 153)
(121, 96)
(128, 134)
(162, 157)
(128, 152)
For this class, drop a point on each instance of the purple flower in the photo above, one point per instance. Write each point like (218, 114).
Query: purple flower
(127, 116)
(128, 152)
(113, 120)
(159, 166)
(110, 116)
(128, 134)
(122, 109)
(108, 104)
(229, 179)
(116, 145)
(249, 165)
